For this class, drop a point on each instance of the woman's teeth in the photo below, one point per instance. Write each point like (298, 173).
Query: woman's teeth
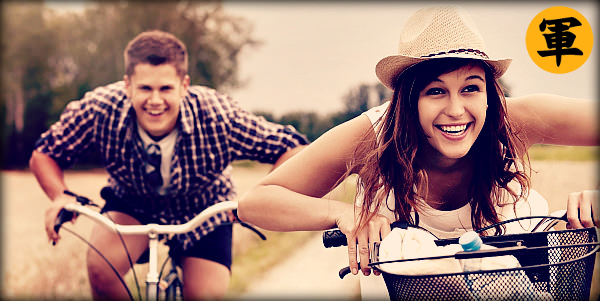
(453, 129)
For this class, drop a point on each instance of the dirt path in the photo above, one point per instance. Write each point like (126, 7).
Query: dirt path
(309, 273)
(312, 270)
(32, 269)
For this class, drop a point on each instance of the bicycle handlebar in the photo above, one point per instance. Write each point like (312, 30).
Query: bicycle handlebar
(335, 237)
(69, 210)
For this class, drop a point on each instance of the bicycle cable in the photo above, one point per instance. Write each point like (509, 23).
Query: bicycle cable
(175, 247)
(518, 219)
(137, 284)
(104, 258)
(87, 202)
(162, 267)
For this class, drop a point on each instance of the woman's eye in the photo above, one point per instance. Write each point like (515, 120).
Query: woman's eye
(434, 91)
(471, 88)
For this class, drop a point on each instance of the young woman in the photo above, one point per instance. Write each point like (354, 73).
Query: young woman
(448, 152)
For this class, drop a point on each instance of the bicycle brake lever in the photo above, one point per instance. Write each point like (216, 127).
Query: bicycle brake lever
(345, 271)
(374, 257)
(62, 217)
(262, 236)
(65, 215)
(248, 226)
(80, 199)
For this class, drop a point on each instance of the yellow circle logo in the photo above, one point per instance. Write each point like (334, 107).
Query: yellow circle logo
(559, 39)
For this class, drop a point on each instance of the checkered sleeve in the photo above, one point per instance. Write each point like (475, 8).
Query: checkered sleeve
(71, 136)
(253, 137)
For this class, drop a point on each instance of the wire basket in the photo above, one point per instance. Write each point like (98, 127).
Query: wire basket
(555, 265)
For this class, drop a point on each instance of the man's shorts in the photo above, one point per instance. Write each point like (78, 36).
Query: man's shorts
(215, 246)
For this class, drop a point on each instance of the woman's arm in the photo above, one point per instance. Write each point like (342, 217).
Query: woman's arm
(290, 153)
(552, 119)
(290, 197)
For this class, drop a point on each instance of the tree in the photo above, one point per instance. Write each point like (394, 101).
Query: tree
(26, 93)
(309, 123)
(49, 59)
(359, 99)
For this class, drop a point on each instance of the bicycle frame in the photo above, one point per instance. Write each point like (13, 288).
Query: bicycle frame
(153, 231)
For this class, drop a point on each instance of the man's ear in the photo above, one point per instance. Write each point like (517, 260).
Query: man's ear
(186, 82)
(127, 85)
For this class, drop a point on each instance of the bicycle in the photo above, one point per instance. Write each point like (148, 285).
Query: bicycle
(170, 286)
(559, 265)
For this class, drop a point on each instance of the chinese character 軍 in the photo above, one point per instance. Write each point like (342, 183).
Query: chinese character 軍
(560, 40)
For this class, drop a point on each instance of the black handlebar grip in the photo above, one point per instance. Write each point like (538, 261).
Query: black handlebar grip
(343, 272)
(63, 217)
(334, 238)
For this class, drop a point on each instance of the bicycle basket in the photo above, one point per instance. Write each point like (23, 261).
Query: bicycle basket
(556, 265)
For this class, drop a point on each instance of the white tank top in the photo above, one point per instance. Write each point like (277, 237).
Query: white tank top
(453, 223)
(447, 224)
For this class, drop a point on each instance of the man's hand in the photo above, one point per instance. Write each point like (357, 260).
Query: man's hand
(52, 214)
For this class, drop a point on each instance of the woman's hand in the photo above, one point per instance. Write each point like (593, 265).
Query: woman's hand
(583, 210)
(359, 246)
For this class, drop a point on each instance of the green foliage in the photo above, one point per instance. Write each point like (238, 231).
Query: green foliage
(313, 125)
(49, 59)
(26, 89)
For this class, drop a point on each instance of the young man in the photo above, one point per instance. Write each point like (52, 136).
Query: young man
(167, 147)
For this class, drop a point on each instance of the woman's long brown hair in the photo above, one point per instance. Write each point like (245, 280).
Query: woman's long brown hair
(387, 163)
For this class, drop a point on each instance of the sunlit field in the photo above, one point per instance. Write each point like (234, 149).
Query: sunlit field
(33, 268)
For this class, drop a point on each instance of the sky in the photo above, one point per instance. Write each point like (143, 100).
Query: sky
(313, 53)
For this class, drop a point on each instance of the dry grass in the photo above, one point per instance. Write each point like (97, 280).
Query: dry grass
(33, 269)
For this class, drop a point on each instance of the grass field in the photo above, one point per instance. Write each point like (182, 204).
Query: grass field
(33, 269)
(564, 153)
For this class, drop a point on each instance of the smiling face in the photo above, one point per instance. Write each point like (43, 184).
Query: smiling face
(452, 111)
(156, 92)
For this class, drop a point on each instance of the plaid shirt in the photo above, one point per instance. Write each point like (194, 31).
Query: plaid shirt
(213, 132)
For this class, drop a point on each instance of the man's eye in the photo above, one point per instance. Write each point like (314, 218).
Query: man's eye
(434, 91)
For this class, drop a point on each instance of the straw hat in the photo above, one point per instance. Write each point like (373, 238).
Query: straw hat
(437, 32)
